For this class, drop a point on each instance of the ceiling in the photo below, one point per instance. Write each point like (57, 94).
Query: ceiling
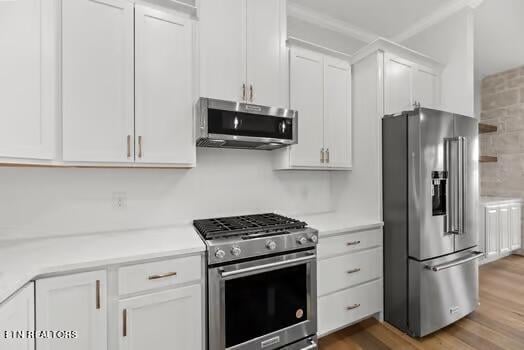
(499, 36)
(384, 18)
(499, 28)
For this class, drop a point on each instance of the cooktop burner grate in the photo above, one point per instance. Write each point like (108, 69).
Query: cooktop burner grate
(247, 224)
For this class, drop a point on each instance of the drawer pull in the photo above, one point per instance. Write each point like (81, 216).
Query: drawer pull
(352, 307)
(353, 243)
(353, 271)
(156, 277)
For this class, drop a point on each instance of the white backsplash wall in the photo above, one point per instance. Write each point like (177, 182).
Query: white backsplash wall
(38, 202)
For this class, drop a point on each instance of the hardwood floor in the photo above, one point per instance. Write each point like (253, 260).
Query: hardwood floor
(497, 324)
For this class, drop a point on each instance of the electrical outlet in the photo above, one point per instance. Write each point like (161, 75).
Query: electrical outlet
(119, 200)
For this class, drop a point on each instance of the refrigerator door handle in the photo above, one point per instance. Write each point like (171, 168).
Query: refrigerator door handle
(437, 268)
(451, 205)
(462, 184)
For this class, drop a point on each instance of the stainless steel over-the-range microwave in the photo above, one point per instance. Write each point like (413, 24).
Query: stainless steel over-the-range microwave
(226, 124)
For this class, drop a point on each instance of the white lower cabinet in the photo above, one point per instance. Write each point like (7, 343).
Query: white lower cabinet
(150, 305)
(348, 306)
(162, 321)
(18, 314)
(349, 279)
(73, 303)
(501, 233)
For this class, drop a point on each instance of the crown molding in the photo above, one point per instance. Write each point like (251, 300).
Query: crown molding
(436, 17)
(328, 22)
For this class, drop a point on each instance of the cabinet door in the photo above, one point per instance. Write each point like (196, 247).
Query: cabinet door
(27, 78)
(426, 87)
(266, 52)
(337, 112)
(222, 49)
(97, 78)
(307, 96)
(162, 321)
(163, 68)
(504, 230)
(515, 227)
(73, 303)
(18, 314)
(492, 233)
(398, 84)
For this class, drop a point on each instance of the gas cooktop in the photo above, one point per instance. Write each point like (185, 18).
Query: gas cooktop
(246, 225)
(253, 236)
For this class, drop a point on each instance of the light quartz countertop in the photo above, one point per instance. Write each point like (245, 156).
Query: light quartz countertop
(334, 223)
(24, 260)
(489, 200)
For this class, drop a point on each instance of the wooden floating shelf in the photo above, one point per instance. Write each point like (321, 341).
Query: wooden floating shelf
(488, 159)
(487, 128)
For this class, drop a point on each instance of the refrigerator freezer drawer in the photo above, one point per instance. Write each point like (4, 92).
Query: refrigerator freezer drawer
(442, 291)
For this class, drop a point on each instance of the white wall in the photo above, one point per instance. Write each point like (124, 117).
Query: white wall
(43, 202)
(323, 37)
(452, 43)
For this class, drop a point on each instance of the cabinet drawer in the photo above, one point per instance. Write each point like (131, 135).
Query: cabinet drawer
(137, 278)
(350, 242)
(343, 308)
(348, 270)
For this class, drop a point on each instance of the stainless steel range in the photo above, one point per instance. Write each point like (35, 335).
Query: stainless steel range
(262, 282)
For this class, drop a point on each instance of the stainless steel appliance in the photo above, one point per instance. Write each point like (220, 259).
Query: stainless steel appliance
(431, 194)
(226, 124)
(262, 282)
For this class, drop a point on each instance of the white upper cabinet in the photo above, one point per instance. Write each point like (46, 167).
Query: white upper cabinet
(162, 321)
(307, 96)
(163, 95)
(97, 78)
(250, 66)
(337, 113)
(426, 87)
(222, 49)
(320, 90)
(408, 83)
(18, 314)
(28, 78)
(73, 303)
(266, 52)
(398, 84)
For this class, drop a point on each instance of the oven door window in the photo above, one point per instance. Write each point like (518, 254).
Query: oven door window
(264, 303)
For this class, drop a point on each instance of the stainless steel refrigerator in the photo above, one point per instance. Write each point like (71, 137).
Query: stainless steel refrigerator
(430, 197)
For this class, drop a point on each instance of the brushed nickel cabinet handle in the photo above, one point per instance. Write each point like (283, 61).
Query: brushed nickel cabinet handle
(353, 243)
(353, 271)
(128, 146)
(124, 324)
(139, 146)
(251, 94)
(244, 97)
(322, 155)
(327, 155)
(156, 277)
(98, 295)
(352, 307)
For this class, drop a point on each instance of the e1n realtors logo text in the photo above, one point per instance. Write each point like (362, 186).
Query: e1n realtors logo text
(19, 334)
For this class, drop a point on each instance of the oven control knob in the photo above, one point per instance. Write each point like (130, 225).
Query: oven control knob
(271, 245)
(313, 239)
(220, 254)
(302, 240)
(236, 251)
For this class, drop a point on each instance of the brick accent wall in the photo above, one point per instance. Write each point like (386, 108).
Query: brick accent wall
(502, 104)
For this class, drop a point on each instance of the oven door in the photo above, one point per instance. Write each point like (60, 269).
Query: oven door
(263, 304)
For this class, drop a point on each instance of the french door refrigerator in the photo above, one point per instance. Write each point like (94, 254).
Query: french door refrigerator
(430, 198)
